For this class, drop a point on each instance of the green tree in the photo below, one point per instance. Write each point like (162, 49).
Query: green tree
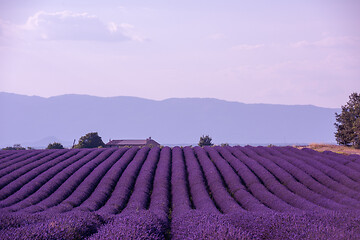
(205, 141)
(348, 122)
(55, 145)
(15, 147)
(90, 140)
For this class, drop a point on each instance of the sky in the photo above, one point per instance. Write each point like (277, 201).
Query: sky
(278, 52)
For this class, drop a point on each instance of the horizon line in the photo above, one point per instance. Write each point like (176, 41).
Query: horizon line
(161, 100)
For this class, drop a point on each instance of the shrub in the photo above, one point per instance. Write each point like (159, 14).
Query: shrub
(90, 140)
(205, 141)
(55, 145)
(15, 147)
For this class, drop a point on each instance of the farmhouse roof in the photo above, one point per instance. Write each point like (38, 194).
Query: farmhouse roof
(127, 142)
(132, 142)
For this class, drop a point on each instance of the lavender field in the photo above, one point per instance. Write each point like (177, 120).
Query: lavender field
(179, 193)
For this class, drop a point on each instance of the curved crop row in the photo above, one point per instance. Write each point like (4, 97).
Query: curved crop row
(71, 183)
(15, 180)
(107, 184)
(288, 180)
(179, 183)
(13, 171)
(88, 185)
(198, 189)
(320, 175)
(335, 167)
(140, 197)
(305, 178)
(219, 192)
(233, 181)
(179, 193)
(17, 156)
(122, 192)
(55, 182)
(253, 183)
(271, 183)
(160, 196)
(32, 186)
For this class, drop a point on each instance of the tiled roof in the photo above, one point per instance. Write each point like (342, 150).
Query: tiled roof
(127, 142)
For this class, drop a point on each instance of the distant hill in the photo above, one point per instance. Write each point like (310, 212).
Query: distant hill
(31, 119)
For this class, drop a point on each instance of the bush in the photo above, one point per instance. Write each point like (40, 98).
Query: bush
(15, 147)
(205, 141)
(55, 145)
(90, 140)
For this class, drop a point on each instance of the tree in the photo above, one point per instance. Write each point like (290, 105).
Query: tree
(348, 122)
(205, 141)
(15, 147)
(90, 140)
(55, 145)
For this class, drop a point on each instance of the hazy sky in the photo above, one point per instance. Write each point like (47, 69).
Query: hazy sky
(281, 51)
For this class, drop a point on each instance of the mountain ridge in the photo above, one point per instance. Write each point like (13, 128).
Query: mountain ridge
(169, 121)
(166, 99)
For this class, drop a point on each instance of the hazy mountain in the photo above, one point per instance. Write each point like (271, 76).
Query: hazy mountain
(28, 119)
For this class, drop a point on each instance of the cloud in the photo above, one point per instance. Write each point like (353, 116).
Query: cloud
(328, 42)
(67, 25)
(248, 46)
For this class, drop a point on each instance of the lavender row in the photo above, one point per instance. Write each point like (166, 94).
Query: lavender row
(321, 162)
(330, 164)
(71, 226)
(286, 162)
(351, 161)
(17, 156)
(192, 225)
(160, 196)
(340, 159)
(142, 224)
(215, 180)
(270, 163)
(336, 166)
(107, 184)
(6, 153)
(72, 182)
(270, 182)
(89, 184)
(222, 197)
(31, 161)
(179, 183)
(252, 183)
(355, 158)
(16, 180)
(354, 165)
(234, 183)
(33, 185)
(198, 189)
(139, 223)
(306, 165)
(48, 188)
(331, 225)
(140, 197)
(122, 192)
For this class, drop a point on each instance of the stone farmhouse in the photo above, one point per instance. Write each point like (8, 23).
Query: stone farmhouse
(133, 143)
